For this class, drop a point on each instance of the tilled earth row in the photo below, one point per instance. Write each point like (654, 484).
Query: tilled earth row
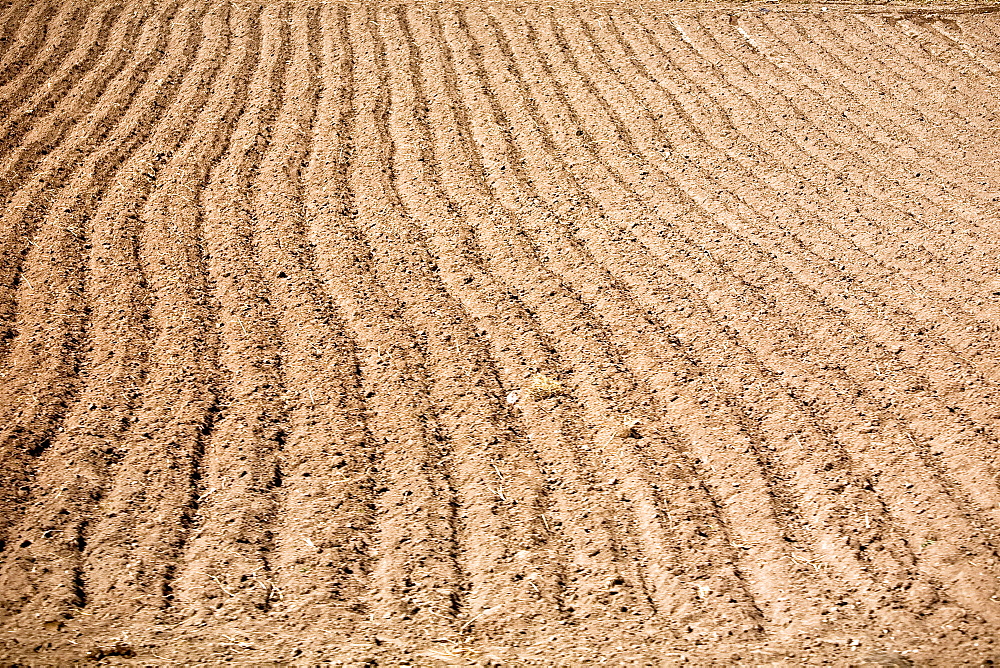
(523, 334)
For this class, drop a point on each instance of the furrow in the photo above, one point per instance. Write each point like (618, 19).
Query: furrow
(145, 517)
(863, 374)
(12, 20)
(820, 65)
(79, 62)
(28, 362)
(972, 478)
(888, 31)
(503, 498)
(501, 306)
(948, 118)
(62, 33)
(962, 466)
(405, 334)
(577, 343)
(779, 79)
(979, 28)
(789, 124)
(959, 346)
(226, 569)
(30, 140)
(30, 202)
(942, 33)
(931, 91)
(41, 379)
(415, 583)
(651, 301)
(787, 187)
(898, 81)
(820, 523)
(978, 156)
(320, 555)
(585, 581)
(24, 41)
(957, 335)
(912, 155)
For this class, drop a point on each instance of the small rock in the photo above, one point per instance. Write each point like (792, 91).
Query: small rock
(885, 660)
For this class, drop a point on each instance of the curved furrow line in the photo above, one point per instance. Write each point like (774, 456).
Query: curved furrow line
(478, 334)
(963, 335)
(364, 248)
(805, 116)
(955, 130)
(63, 234)
(732, 179)
(933, 91)
(602, 414)
(810, 484)
(587, 582)
(973, 478)
(942, 34)
(79, 62)
(329, 481)
(316, 548)
(829, 187)
(98, 134)
(778, 79)
(389, 425)
(957, 335)
(30, 36)
(926, 167)
(947, 33)
(746, 149)
(424, 171)
(980, 28)
(32, 364)
(674, 568)
(62, 34)
(12, 20)
(966, 457)
(36, 136)
(959, 338)
(40, 378)
(888, 31)
(468, 464)
(70, 475)
(832, 176)
(144, 518)
(652, 301)
(30, 425)
(897, 81)
(620, 132)
(499, 496)
(757, 486)
(776, 486)
(821, 66)
(978, 158)
(226, 564)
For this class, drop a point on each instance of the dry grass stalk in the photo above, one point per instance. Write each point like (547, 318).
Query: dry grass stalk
(545, 387)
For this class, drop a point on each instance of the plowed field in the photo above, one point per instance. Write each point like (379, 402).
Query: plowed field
(499, 333)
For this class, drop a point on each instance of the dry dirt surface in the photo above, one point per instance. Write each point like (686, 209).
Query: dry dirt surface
(499, 334)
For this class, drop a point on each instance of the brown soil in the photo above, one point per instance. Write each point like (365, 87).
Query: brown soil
(499, 333)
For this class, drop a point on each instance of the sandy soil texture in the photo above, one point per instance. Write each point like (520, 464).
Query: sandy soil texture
(499, 334)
